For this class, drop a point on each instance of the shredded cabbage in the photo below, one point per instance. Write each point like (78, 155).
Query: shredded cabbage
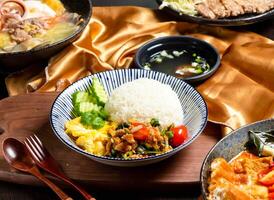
(58, 32)
(182, 6)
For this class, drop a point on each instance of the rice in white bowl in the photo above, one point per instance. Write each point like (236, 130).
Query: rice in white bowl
(144, 99)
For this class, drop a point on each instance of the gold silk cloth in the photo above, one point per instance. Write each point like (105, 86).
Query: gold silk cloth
(240, 92)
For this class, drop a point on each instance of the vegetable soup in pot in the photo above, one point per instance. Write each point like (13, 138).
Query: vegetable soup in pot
(28, 24)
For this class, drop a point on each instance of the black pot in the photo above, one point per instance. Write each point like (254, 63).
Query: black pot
(11, 62)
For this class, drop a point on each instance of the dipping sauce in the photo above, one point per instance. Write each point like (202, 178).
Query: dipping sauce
(181, 64)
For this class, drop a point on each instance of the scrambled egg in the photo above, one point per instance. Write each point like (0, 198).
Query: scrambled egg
(91, 140)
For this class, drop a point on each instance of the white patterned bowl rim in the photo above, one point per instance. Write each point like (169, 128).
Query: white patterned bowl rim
(62, 110)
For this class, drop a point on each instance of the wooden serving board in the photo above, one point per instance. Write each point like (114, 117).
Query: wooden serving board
(26, 114)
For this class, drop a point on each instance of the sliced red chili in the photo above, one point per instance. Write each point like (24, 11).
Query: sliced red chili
(267, 179)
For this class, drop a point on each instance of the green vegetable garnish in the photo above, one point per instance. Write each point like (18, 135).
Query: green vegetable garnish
(97, 123)
(147, 66)
(163, 132)
(97, 90)
(103, 114)
(147, 146)
(169, 134)
(92, 119)
(182, 6)
(84, 107)
(83, 102)
(122, 126)
(152, 152)
(199, 70)
(140, 149)
(89, 105)
(113, 152)
(127, 154)
(198, 59)
(154, 122)
(80, 96)
(263, 141)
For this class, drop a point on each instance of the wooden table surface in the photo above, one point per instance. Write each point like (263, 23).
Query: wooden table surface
(10, 191)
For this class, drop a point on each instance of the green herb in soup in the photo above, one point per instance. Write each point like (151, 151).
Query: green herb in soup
(198, 66)
(181, 63)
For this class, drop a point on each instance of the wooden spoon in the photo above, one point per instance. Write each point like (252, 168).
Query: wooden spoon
(17, 156)
(45, 161)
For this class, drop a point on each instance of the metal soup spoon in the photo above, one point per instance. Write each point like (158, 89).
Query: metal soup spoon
(15, 153)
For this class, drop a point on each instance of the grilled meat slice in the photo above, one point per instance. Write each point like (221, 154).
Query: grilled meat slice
(248, 5)
(203, 9)
(214, 9)
(218, 8)
(233, 7)
(264, 5)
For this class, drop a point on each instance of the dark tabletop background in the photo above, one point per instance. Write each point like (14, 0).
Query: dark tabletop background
(10, 191)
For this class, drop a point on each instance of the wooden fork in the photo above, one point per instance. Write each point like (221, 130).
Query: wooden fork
(44, 160)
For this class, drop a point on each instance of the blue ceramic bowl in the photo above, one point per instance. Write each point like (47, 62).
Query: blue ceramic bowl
(193, 106)
(179, 43)
(229, 147)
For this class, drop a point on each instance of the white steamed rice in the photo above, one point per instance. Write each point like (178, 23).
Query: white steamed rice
(144, 99)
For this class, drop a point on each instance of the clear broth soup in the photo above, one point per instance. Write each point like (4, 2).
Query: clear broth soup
(181, 64)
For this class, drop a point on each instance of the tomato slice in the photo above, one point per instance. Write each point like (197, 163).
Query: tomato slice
(262, 173)
(134, 123)
(271, 188)
(179, 135)
(265, 171)
(268, 179)
(271, 196)
(142, 134)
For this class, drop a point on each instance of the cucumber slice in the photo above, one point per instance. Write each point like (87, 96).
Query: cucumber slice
(84, 107)
(80, 96)
(99, 92)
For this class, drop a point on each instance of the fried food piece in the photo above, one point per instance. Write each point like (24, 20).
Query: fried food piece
(238, 180)
(215, 9)
(233, 7)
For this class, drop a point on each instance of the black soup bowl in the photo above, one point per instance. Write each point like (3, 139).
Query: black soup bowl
(15, 61)
(178, 56)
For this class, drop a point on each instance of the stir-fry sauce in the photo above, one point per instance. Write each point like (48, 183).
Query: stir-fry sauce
(126, 140)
